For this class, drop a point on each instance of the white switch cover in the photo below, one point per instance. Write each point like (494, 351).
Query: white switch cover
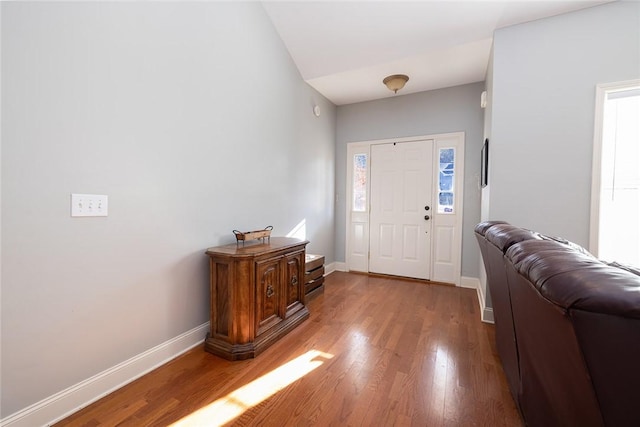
(89, 205)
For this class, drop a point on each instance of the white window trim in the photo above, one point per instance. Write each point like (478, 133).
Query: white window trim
(596, 166)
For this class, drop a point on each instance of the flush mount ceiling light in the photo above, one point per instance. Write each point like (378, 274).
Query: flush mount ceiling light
(395, 82)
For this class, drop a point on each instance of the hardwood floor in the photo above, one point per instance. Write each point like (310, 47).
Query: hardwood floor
(376, 351)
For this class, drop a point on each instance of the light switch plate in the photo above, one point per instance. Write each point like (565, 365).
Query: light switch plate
(89, 205)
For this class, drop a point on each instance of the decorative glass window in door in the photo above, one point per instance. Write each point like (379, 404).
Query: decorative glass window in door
(359, 183)
(446, 180)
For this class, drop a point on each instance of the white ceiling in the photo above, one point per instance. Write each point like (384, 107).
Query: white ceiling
(345, 48)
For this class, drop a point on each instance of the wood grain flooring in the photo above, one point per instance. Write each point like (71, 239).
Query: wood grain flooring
(376, 351)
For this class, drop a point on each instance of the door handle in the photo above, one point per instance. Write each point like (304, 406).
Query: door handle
(426, 217)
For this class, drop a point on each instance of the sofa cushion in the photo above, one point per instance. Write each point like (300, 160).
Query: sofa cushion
(484, 226)
(576, 280)
(629, 268)
(568, 243)
(503, 236)
(598, 288)
(521, 253)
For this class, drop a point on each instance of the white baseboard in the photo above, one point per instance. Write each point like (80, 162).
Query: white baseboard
(486, 313)
(64, 403)
(329, 268)
(469, 282)
(340, 266)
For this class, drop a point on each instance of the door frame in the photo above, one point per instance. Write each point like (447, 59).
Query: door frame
(445, 140)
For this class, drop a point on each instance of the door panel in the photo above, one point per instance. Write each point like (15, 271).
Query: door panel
(400, 240)
(412, 189)
(359, 232)
(410, 248)
(445, 257)
(293, 282)
(444, 249)
(385, 242)
(267, 294)
(387, 185)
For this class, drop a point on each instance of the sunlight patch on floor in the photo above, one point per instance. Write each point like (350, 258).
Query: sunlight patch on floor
(235, 403)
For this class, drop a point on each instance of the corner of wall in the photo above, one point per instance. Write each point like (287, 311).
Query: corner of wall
(486, 313)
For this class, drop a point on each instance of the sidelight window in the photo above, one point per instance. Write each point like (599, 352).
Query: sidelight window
(359, 183)
(446, 180)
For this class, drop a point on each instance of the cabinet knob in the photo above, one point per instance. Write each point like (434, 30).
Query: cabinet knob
(294, 280)
(270, 291)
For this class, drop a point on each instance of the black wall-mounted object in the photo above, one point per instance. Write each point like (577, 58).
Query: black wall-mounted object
(484, 165)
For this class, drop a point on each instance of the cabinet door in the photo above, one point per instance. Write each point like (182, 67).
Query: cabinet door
(294, 282)
(268, 292)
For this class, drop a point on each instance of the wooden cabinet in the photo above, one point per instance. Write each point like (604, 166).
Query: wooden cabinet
(257, 295)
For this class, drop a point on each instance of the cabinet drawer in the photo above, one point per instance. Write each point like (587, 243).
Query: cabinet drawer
(314, 274)
(313, 261)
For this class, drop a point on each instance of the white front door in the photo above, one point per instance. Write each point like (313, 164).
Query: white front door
(401, 208)
(397, 244)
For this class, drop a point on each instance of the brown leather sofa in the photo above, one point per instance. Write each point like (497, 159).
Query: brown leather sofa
(567, 328)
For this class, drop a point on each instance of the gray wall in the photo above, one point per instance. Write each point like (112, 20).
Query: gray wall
(193, 119)
(440, 111)
(544, 78)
